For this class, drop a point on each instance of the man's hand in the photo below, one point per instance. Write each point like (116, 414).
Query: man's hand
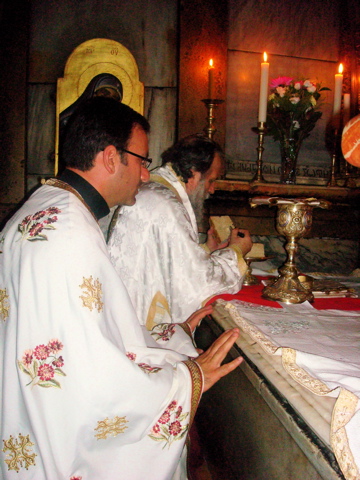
(210, 361)
(244, 242)
(212, 243)
(194, 320)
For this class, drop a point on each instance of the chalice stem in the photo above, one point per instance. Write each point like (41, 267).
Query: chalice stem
(291, 248)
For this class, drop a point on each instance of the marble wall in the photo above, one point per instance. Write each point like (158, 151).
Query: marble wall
(302, 41)
(314, 255)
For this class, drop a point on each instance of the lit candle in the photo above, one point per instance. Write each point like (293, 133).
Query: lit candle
(211, 79)
(338, 93)
(263, 90)
(346, 115)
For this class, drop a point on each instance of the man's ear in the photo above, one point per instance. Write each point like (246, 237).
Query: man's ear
(193, 182)
(110, 158)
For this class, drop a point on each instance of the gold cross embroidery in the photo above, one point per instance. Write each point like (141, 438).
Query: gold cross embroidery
(110, 427)
(19, 452)
(92, 294)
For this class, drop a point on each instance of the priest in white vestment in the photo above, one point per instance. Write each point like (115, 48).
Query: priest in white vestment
(86, 394)
(154, 244)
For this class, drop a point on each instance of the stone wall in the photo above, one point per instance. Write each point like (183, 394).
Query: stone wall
(302, 41)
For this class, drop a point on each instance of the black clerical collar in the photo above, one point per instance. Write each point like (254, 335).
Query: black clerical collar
(90, 195)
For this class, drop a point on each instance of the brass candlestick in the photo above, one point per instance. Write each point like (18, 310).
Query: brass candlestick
(294, 221)
(211, 104)
(260, 130)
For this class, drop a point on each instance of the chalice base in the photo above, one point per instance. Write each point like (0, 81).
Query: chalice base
(250, 279)
(287, 289)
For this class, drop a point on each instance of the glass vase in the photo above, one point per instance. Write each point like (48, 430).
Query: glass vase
(289, 149)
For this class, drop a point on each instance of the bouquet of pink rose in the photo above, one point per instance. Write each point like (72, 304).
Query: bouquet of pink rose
(293, 110)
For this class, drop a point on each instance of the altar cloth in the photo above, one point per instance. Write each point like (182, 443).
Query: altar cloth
(320, 350)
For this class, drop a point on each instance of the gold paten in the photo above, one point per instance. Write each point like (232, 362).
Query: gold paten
(294, 221)
(91, 58)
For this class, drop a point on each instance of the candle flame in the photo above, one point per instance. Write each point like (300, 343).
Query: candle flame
(211, 63)
(265, 57)
(341, 68)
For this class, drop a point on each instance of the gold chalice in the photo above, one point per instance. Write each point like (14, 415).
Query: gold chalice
(294, 221)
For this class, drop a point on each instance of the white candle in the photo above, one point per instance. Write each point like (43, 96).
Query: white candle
(264, 80)
(346, 114)
(338, 93)
(211, 79)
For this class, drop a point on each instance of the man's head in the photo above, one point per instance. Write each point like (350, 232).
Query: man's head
(198, 161)
(97, 123)
(106, 142)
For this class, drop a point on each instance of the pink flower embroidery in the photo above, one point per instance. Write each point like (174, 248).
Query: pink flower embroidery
(148, 368)
(55, 346)
(171, 426)
(76, 478)
(172, 405)
(178, 413)
(131, 356)
(45, 372)
(32, 226)
(42, 364)
(41, 352)
(163, 331)
(27, 357)
(165, 417)
(156, 428)
(175, 428)
(59, 362)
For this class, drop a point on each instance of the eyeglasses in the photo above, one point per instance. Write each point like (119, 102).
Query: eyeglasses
(145, 161)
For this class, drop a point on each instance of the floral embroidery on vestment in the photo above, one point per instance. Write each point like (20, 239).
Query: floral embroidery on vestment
(92, 294)
(144, 366)
(20, 452)
(4, 304)
(163, 331)
(170, 427)
(76, 478)
(131, 356)
(108, 427)
(42, 364)
(32, 226)
(148, 369)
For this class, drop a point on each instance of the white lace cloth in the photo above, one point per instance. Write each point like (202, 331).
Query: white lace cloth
(320, 350)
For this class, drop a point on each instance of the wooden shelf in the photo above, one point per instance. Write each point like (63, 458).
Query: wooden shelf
(335, 194)
(342, 220)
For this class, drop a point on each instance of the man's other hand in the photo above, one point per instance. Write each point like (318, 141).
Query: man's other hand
(244, 242)
(194, 319)
(211, 361)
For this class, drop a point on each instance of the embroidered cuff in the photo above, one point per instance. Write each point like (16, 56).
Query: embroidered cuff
(197, 378)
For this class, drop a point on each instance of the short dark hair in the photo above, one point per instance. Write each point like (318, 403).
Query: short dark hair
(95, 124)
(195, 152)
